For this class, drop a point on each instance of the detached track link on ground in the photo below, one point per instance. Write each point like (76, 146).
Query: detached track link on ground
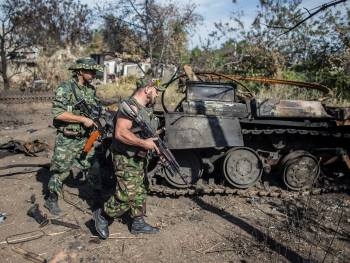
(15, 98)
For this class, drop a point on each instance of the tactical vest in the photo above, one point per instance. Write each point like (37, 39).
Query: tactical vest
(147, 114)
(75, 93)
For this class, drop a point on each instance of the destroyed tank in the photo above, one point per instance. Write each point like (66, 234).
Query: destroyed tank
(225, 141)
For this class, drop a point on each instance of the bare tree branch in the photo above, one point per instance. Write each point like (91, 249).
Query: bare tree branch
(322, 8)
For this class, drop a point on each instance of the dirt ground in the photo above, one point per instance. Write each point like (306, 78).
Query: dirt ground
(193, 229)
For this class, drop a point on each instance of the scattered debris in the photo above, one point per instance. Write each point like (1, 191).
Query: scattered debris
(303, 229)
(2, 217)
(29, 236)
(63, 223)
(26, 168)
(24, 237)
(39, 217)
(42, 219)
(29, 255)
(113, 237)
(31, 130)
(208, 249)
(40, 165)
(28, 148)
(32, 198)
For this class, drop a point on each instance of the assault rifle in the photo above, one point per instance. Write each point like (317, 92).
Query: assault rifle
(95, 113)
(166, 157)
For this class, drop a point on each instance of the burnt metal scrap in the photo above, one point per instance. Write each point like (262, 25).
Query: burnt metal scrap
(225, 139)
(37, 214)
(28, 148)
(213, 76)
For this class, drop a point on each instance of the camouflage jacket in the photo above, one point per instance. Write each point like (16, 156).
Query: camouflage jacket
(65, 101)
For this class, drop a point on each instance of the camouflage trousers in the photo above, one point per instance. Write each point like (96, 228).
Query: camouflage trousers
(68, 153)
(130, 189)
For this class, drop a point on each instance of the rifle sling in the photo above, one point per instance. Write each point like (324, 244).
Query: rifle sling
(72, 85)
(77, 98)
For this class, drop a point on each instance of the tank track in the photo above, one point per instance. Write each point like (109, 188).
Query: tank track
(260, 190)
(21, 98)
(209, 187)
(296, 131)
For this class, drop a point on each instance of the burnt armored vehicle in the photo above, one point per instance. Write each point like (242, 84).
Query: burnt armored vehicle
(225, 141)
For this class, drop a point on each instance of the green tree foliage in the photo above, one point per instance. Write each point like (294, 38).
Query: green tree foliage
(97, 42)
(57, 24)
(286, 37)
(118, 36)
(149, 29)
(47, 24)
(11, 41)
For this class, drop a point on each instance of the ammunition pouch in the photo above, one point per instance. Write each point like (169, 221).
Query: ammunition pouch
(71, 133)
(70, 130)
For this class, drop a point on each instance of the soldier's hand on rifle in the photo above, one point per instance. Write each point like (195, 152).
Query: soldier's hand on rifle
(151, 145)
(88, 122)
(160, 131)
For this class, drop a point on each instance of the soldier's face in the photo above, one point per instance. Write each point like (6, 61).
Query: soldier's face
(88, 75)
(152, 95)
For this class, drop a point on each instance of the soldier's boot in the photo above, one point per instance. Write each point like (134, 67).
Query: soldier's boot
(139, 226)
(101, 223)
(51, 204)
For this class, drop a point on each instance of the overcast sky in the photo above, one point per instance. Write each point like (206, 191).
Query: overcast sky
(221, 10)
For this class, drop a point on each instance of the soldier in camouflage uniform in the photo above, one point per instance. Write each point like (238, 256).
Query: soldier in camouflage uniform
(73, 128)
(130, 149)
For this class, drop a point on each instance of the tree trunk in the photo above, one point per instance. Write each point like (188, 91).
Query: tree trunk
(4, 76)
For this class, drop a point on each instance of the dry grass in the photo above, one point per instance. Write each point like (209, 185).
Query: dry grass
(124, 87)
(54, 69)
(115, 90)
(173, 95)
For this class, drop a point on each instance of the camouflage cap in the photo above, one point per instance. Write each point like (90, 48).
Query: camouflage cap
(86, 63)
(150, 82)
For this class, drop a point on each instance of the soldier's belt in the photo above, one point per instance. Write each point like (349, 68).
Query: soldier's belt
(139, 155)
(74, 134)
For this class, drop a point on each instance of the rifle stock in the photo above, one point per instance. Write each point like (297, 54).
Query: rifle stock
(94, 135)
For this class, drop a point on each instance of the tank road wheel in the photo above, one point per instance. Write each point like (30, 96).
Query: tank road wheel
(300, 170)
(242, 167)
(191, 169)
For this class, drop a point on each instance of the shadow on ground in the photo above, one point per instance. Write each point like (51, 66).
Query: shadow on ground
(253, 231)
